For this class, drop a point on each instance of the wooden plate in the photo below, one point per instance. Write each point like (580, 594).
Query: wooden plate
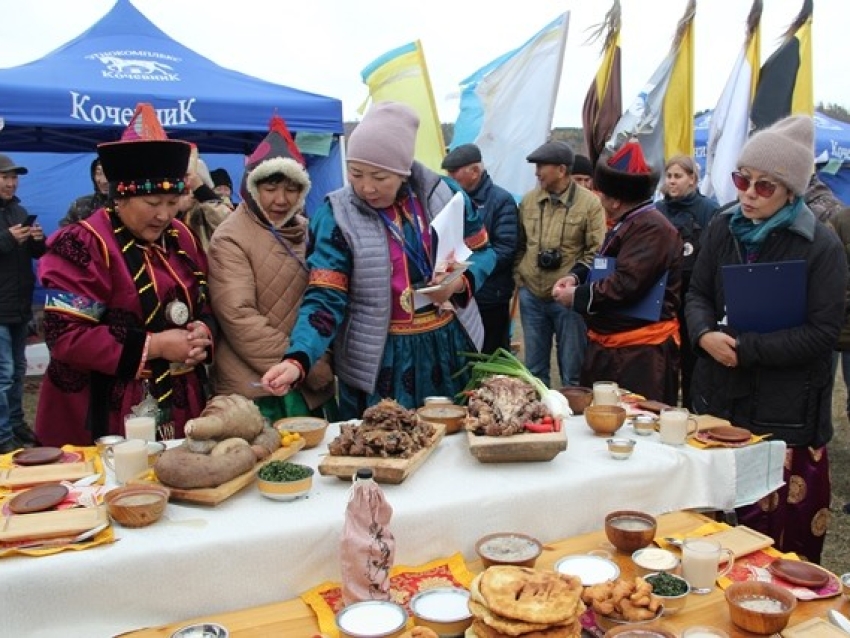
(729, 434)
(37, 456)
(652, 406)
(38, 499)
(798, 572)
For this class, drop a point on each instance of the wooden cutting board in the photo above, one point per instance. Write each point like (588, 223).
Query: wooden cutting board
(215, 495)
(741, 540)
(18, 477)
(518, 447)
(385, 470)
(52, 524)
(707, 422)
(813, 628)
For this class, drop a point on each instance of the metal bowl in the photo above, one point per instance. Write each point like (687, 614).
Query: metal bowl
(202, 630)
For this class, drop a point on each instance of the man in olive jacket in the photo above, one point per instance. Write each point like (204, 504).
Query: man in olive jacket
(562, 226)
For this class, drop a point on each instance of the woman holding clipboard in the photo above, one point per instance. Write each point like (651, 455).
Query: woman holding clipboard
(776, 381)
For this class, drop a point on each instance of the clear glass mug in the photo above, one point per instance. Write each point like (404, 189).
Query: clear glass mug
(676, 425)
(127, 459)
(701, 558)
(606, 393)
(140, 427)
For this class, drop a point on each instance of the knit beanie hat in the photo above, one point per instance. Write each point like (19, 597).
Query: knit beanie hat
(221, 177)
(625, 175)
(785, 150)
(582, 166)
(385, 138)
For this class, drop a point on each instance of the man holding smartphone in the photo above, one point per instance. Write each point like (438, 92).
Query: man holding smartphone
(21, 241)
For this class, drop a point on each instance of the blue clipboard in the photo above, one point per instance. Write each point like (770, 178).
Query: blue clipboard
(765, 297)
(648, 308)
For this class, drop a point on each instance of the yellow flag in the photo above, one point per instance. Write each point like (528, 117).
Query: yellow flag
(678, 107)
(400, 75)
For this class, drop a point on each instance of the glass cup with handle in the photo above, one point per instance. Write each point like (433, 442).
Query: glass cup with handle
(606, 393)
(701, 558)
(676, 425)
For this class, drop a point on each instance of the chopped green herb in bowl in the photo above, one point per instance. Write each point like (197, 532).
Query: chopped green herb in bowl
(671, 589)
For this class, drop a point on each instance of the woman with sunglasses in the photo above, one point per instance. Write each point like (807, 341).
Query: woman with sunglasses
(776, 383)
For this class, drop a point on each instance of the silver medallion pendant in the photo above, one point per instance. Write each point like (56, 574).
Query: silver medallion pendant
(177, 313)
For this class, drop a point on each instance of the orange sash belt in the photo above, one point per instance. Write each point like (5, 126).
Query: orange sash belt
(650, 335)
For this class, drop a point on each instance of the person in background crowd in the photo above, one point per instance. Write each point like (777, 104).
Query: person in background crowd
(127, 317)
(582, 171)
(20, 243)
(258, 274)
(84, 206)
(820, 199)
(777, 383)
(561, 227)
(372, 249)
(690, 212)
(223, 185)
(498, 211)
(200, 208)
(640, 353)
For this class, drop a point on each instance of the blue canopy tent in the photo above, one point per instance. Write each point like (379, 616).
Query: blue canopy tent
(57, 109)
(832, 150)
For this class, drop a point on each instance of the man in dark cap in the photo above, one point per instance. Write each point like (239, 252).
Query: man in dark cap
(498, 211)
(583, 171)
(21, 241)
(561, 228)
(223, 185)
(631, 296)
(84, 206)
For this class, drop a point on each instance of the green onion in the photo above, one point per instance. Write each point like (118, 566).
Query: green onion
(284, 472)
(482, 366)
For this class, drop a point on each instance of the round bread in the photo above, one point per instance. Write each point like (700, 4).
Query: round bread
(573, 630)
(531, 595)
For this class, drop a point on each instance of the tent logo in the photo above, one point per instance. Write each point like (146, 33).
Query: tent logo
(137, 65)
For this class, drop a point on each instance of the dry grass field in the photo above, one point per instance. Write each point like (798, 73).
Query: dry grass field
(836, 556)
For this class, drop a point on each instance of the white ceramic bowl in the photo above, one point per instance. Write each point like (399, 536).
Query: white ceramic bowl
(649, 560)
(445, 610)
(591, 570)
(371, 619)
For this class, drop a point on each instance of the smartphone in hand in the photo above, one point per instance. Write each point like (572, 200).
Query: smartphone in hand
(30, 220)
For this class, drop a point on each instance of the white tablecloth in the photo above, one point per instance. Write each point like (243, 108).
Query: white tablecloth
(250, 551)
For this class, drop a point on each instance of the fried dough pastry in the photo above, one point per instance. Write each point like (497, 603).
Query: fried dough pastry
(623, 599)
(420, 632)
(530, 595)
(506, 626)
(572, 630)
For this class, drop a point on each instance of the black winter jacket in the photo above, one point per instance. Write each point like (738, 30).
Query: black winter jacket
(498, 210)
(783, 382)
(17, 279)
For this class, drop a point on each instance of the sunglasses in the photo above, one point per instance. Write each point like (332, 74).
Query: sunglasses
(763, 187)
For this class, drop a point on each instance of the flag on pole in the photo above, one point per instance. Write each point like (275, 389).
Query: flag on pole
(400, 75)
(506, 107)
(785, 81)
(603, 104)
(662, 115)
(730, 121)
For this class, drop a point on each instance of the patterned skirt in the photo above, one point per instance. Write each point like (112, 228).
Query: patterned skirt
(796, 515)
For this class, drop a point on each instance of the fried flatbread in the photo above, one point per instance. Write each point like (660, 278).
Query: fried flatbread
(507, 626)
(531, 595)
(573, 630)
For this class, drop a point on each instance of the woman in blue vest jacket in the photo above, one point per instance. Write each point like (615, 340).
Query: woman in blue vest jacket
(372, 249)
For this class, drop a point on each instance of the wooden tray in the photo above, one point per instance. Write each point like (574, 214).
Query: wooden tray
(518, 447)
(53, 524)
(215, 495)
(741, 540)
(385, 470)
(813, 628)
(18, 477)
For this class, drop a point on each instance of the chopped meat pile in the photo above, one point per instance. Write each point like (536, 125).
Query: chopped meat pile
(387, 429)
(502, 405)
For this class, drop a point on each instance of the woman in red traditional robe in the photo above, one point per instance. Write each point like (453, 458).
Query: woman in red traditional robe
(127, 317)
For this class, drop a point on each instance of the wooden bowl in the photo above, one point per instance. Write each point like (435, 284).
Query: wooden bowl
(604, 420)
(508, 548)
(137, 505)
(644, 631)
(450, 415)
(312, 429)
(743, 598)
(578, 397)
(630, 530)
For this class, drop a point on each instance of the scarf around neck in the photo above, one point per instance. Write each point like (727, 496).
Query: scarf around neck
(752, 236)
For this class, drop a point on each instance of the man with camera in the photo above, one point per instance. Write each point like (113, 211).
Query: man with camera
(561, 228)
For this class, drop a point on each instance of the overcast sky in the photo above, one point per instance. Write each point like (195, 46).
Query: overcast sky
(322, 45)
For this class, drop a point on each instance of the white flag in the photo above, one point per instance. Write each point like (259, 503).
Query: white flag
(506, 107)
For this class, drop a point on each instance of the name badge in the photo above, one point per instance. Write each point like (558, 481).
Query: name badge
(600, 263)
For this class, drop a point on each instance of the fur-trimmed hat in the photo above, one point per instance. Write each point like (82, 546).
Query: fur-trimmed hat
(385, 138)
(784, 150)
(277, 154)
(145, 161)
(625, 175)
